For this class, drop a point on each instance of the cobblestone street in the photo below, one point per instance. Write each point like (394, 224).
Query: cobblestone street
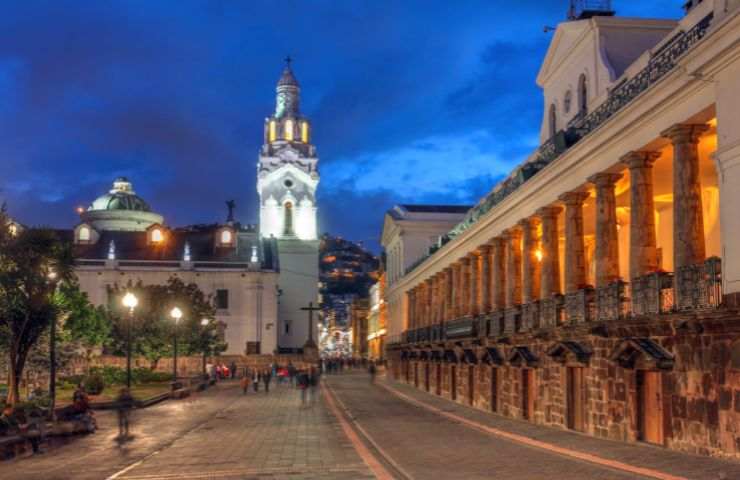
(354, 430)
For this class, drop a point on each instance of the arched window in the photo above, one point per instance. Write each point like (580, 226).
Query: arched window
(288, 224)
(83, 235)
(553, 121)
(288, 130)
(582, 94)
(304, 132)
(226, 237)
(157, 235)
(13, 229)
(272, 131)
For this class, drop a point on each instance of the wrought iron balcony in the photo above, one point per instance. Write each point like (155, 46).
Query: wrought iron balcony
(612, 302)
(580, 306)
(461, 328)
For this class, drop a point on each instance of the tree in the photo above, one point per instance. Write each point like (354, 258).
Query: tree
(84, 325)
(152, 328)
(27, 296)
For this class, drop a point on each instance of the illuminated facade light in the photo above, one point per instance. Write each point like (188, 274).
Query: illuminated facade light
(112, 250)
(272, 131)
(538, 254)
(226, 237)
(288, 130)
(304, 132)
(186, 257)
(83, 234)
(13, 229)
(157, 236)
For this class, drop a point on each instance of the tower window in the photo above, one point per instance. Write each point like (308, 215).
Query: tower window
(553, 121)
(222, 299)
(84, 234)
(288, 127)
(157, 236)
(272, 131)
(288, 225)
(226, 237)
(582, 94)
(304, 132)
(288, 183)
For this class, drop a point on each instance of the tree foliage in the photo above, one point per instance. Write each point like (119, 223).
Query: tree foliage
(152, 328)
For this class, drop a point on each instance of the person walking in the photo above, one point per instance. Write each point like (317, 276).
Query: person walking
(372, 371)
(302, 381)
(256, 379)
(244, 383)
(266, 377)
(291, 373)
(125, 403)
(232, 369)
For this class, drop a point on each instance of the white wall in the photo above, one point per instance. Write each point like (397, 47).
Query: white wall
(298, 282)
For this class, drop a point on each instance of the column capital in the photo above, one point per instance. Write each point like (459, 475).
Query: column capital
(447, 270)
(512, 233)
(685, 132)
(639, 159)
(551, 211)
(484, 249)
(473, 255)
(528, 222)
(574, 199)
(605, 179)
(464, 260)
(497, 242)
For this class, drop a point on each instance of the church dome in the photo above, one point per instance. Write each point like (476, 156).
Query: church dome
(121, 209)
(120, 197)
(287, 78)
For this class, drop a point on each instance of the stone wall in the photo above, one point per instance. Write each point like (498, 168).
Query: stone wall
(699, 385)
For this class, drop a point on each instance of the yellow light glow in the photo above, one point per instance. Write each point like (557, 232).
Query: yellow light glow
(157, 235)
(226, 236)
(288, 130)
(176, 313)
(304, 132)
(272, 131)
(712, 122)
(130, 301)
(538, 255)
(13, 229)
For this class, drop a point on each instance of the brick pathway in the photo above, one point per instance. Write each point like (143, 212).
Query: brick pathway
(424, 440)
(218, 435)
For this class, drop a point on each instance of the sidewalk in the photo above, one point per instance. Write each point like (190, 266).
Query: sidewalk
(640, 455)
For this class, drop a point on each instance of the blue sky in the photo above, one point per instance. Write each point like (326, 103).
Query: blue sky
(412, 101)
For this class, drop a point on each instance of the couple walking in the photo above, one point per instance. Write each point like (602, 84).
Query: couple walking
(255, 376)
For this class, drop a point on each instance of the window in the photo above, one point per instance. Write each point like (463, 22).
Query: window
(553, 121)
(83, 234)
(288, 130)
(157, 235)
(304, 132)
(567, 101)
(288, 224)
(287, 328)
(272, 131)
(13, 229)
(222, 299)
(582, 95)
(226, 237)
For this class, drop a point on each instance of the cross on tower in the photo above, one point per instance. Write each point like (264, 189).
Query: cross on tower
(288, 60)
(310, 309)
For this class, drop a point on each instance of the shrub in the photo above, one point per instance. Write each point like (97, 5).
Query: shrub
(94, 384)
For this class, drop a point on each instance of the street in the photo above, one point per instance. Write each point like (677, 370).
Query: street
(353, 430)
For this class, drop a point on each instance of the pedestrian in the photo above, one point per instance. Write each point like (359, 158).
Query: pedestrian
(256, 379)
(232, 369)
(302, 381)
(291, 373)
(244, 384)
(266, 377)
(371, 370)
(125, 403)
(313, 383)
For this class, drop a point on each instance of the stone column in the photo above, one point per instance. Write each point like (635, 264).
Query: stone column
(465, 290)
(513, 267)
(688, 221)
(498, 300)
(440, 297)
(429, 301)
(530, 262)
(474, 283)
(412, 309)
(643, 245)
(575, 258)
(550, 270)
(448, 294)
(607, 242)
(485, 279)
(455, 290)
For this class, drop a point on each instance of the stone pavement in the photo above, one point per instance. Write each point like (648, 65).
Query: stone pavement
(219, 434)
(429, 437)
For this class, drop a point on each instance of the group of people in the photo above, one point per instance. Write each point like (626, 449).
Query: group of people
(306, 380)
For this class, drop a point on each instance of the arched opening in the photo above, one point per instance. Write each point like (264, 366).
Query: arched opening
(272, 131)
(288, 223)
(582, 95)
(304, 132)
(288, 130)
(226, 237)
(157, 235)
(553, 121)
(84, 234)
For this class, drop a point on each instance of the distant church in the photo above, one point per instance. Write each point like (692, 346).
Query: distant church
(260, 276)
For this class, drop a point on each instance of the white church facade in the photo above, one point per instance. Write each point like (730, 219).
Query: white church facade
(260, 276)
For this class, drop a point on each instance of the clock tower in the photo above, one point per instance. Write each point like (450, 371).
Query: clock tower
(287, 178)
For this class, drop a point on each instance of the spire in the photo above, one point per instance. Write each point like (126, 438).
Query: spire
(287, 78)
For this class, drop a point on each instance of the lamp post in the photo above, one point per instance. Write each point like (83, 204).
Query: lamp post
(52, 276)
(129, 301)
(176, 314)
(204, 323)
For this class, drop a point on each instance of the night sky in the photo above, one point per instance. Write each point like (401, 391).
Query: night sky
(425, 101)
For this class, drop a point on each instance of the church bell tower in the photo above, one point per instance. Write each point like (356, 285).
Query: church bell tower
(287, 178)
(287, 174)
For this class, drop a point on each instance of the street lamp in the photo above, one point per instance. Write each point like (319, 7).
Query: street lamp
(204, 323)
(129, 301)
(175, 313)
(52, 276)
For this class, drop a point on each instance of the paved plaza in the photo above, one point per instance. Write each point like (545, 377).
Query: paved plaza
(353, 430)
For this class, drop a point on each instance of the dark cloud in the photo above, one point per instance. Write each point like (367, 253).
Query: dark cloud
(413, 101)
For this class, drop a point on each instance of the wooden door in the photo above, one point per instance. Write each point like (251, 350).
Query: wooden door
(426, 376)
(494, 389)
(453, 381)
(650, 406)
(471, 384)
(575, 401)
(438, 384)
(527, 394)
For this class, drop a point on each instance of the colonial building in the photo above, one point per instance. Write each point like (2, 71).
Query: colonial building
(596, 288)
(377, 321)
